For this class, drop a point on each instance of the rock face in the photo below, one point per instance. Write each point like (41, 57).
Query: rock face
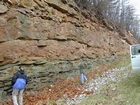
(48, 37)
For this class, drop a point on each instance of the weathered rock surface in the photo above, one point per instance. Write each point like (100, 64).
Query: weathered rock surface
(48, 37)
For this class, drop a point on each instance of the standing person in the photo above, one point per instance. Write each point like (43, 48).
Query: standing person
(83, 67)
(19, 82)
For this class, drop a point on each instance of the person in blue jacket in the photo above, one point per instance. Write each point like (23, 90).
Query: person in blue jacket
(19, 81)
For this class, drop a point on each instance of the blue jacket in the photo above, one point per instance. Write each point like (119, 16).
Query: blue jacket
(19, 80)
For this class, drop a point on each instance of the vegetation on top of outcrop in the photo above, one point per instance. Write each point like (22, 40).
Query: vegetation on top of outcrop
(118, 13)
(49, 37)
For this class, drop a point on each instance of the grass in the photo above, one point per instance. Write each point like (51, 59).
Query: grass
(124, 92)
(122, 61)
(119, 96)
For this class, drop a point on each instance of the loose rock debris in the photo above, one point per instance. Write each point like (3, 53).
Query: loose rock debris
(94, 85)
(70, 91)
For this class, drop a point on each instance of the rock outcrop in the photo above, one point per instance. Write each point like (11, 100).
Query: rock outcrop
(48, 37)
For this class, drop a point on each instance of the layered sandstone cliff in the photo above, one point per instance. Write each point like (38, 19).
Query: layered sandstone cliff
(49, 37)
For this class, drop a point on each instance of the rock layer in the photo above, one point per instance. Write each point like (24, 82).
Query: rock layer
(48, 37)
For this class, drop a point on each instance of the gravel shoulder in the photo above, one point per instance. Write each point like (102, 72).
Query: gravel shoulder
(94, 85)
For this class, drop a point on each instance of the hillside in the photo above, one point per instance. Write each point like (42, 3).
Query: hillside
(49, 37)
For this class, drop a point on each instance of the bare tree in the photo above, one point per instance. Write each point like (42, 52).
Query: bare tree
(120, 12)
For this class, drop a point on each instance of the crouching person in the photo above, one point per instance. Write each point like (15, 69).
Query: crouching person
(19, 82)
